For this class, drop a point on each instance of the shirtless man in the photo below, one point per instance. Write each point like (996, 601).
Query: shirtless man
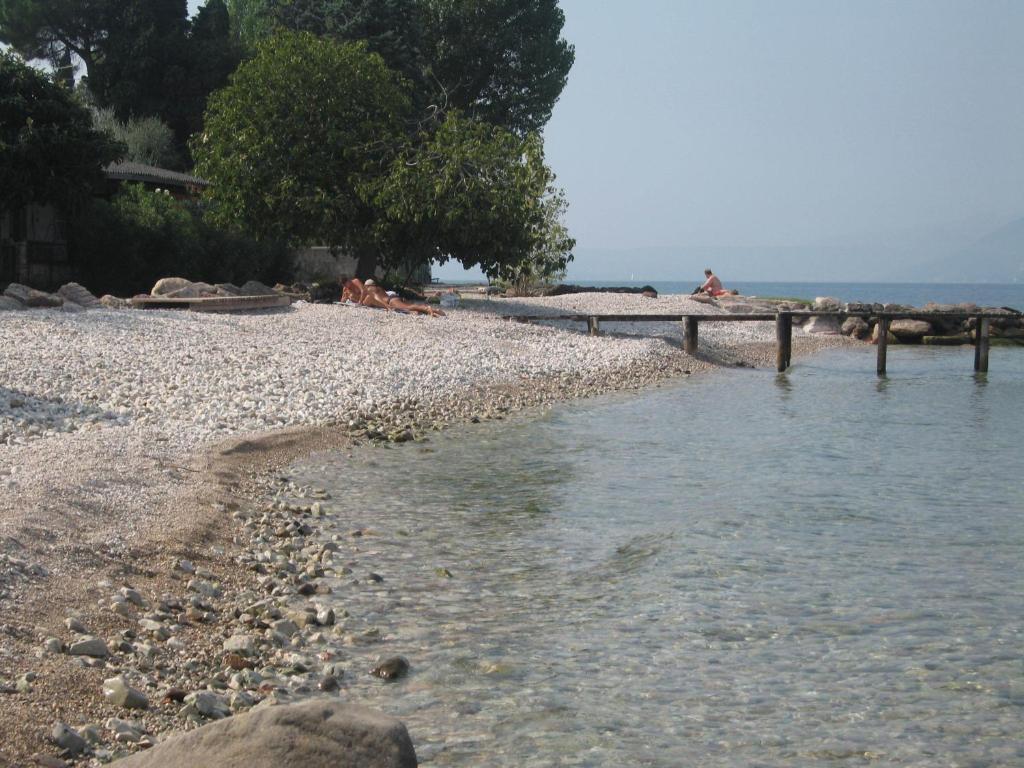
(712, 285)
(369, 294)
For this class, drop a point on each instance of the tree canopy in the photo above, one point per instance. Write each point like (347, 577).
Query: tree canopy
(49, 151)
(501, 61)
(290, 143)
(142, 58)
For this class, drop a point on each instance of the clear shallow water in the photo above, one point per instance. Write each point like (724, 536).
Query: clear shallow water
(822, 568)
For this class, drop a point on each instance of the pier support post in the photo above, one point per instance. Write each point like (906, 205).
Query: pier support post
(690, 335)
(883, 344)
(784, 337)
(593, 327)
(981, 345)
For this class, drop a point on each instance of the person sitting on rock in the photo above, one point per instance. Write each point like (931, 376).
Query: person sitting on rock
(712, 286)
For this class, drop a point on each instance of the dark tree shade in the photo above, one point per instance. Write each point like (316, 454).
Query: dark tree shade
(49, 152)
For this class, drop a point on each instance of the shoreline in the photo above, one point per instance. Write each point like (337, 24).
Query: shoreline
(202, 520)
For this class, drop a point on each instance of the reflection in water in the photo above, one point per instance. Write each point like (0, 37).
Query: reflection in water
(834, 582)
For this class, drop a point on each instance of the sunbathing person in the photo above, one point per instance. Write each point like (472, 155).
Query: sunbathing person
(352, 290)
(369, 294)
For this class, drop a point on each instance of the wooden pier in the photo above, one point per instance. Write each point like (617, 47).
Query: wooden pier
(784, 327)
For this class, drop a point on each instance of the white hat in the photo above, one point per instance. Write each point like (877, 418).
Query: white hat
(369, 282)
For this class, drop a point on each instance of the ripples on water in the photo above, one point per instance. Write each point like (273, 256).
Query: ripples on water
(820, 568)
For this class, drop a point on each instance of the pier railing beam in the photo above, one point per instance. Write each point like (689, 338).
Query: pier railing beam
(690, 335)
(981, 345)
(883, 344)
(784, 337)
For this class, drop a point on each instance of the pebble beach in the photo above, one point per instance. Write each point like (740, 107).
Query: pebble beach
(157, 572)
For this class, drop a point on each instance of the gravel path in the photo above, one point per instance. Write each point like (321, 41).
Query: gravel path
(110, 422)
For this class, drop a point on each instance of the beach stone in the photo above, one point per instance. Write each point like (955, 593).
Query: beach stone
(192, 291)
(856, 327)
(168, 285)
(822, 325)
(71, 308)
(204, 588)
(133, 597)
(209, 704)
(244, 645)
(89, 645)
(78, 294)
(117, 691)
(75, 625)
(910, 329)
(53, 645)
(826, 304)
(314, 734)
(391, 669)
(286, 627)
(256, 288)
(10, 304)
(113, 302)
(19, 293)
(66, 737)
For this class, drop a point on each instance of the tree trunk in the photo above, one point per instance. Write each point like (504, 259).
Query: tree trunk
(366, 263)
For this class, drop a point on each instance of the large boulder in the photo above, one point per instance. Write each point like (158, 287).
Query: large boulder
(910, 330)
(826, 304)
(314, 734)
(168, 285)
(193, 291)
(7, 303)
(827, 324)
(256, 288)
(30, 297)
(856, 327)
(78, 294)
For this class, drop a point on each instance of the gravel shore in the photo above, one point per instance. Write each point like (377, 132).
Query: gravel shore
(132, 441)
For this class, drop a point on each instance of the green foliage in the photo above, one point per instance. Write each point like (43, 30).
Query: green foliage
(290, 143)
(49, 151)
(148, 140)
(142, 57)
(545, 264)
(124, 246)
(472, 192)
(501, 61)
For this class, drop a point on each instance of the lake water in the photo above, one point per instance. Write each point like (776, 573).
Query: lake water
(821, 568)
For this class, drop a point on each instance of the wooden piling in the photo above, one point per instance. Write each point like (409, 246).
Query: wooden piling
(883, 344)
(981, 345)
(784, 337)
(593, 328)
(690, 335)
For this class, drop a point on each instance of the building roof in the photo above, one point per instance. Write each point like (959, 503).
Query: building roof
(150, 174)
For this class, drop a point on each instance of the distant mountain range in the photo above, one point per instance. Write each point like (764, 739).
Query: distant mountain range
(996, 258)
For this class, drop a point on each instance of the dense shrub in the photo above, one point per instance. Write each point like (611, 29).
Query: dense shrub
(123, 246)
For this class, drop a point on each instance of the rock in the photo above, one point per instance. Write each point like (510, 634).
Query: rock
(19, 293)
(8, 304)
(244, 645)
(89, 645)
(228, 289)
(875, 334)
(77, 294)
(286, 627)
(391, 669)
(133, 597)
(947, 341)
(67, 738)
(193, 291)
(168, 285)
(113, 302)
(822, 325)
(256, 288)
(826, 304)
(75, 625)
(53, 645)
(209, 704)
(71, 308)
(856, 327)
(910, 329)
(117, 691)
(204, 588)
(313, 734)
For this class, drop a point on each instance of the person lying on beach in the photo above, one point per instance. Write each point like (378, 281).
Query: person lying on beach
(369, 294)
(712, 286)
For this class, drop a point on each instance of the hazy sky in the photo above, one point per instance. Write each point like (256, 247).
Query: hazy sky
(788, 124)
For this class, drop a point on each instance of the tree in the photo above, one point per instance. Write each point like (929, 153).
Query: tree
(290, 143)
(49, 151)
(143, 58)
(501, 61)
(472, 192)
(148, 140)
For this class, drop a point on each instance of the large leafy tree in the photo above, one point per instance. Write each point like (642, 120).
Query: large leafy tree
(142, 58)
(49, 151)
(472, 192)
(290, 144)
(501, 61)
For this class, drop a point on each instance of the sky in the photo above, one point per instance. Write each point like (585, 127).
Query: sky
(791, 139)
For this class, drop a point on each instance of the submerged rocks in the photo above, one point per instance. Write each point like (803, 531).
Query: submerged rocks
(314, 734)
(391, 669)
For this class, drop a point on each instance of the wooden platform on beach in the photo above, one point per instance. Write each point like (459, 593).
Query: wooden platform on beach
(784, 327)
(213, 304)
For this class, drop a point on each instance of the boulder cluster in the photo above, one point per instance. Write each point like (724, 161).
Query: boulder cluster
(934, 324)
(70, 297)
